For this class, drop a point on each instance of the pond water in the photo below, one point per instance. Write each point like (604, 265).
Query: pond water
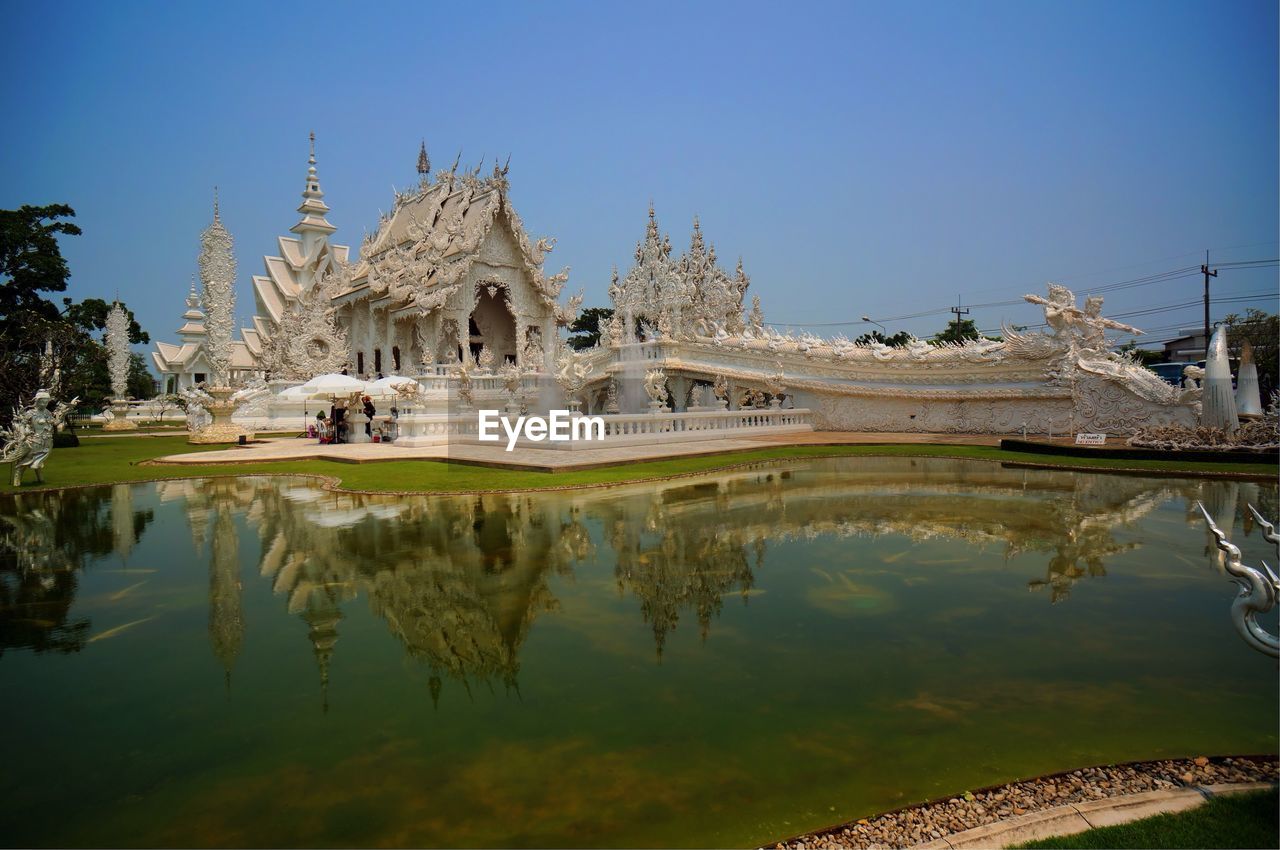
(715, 661)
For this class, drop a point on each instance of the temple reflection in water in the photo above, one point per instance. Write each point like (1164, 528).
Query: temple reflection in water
(459, 581)
(45, 540)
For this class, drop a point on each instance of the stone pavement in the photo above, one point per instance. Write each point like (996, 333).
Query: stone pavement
(550, 460)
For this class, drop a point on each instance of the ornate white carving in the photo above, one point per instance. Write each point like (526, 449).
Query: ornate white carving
(573, 371)
(218, 276)
(466, 395)
(118, 350)
(485, 359)
(683, 297)
(655, 386)
(308, 341)
(28, 440)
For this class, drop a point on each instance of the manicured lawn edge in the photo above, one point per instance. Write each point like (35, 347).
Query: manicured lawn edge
(813, 836)
(1236, 820)
(123, 460)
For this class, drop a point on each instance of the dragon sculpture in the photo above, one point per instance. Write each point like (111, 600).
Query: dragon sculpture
(1259, 588)
(573, 371)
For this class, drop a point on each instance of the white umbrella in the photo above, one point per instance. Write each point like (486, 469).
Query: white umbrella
(390, 387)
(303, 395)
(298, 393)
(334, 384)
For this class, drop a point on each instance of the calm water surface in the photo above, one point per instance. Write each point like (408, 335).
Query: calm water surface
(709, 662)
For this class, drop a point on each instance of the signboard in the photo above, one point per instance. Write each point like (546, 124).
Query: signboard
(1091, 439)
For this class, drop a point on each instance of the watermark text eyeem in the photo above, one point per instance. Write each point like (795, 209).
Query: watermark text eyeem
(559, 427)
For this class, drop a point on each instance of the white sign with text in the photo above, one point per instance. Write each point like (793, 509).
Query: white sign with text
(560, 426)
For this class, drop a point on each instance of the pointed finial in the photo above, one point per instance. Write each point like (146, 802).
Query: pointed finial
(424, 162)
(215, 203)
(312, 159)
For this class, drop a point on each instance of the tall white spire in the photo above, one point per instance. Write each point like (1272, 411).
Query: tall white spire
(218, 274)
(118, 349)
(313, 227)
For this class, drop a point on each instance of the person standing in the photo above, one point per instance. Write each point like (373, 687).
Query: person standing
(369, 411)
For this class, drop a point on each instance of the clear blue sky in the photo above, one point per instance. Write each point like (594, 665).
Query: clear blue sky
(863, 157)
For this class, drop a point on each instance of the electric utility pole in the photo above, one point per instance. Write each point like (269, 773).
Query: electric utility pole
(959, 311)
(1204, 269)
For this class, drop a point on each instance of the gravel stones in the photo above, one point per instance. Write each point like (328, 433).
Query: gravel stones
(930, 821)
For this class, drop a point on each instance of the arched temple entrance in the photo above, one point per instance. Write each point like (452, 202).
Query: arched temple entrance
(493, 325)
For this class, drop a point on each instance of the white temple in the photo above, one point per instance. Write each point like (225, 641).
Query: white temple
(451, 291)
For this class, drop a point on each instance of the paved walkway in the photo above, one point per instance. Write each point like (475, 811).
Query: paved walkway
(550, 460)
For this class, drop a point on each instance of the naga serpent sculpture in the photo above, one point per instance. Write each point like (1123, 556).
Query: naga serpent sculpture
(1259, 589)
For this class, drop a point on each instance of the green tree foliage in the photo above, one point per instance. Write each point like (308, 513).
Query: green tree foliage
(962, 330)
(1263, 332)
(31, 265)
(585, 329)
(898, 340)
(957, 330)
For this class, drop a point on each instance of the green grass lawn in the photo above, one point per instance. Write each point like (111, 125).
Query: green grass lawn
(110, 460)
(1240, 820)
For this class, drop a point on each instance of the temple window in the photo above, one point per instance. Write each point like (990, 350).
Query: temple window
(359, 362)
(377, 360)
(395, 359)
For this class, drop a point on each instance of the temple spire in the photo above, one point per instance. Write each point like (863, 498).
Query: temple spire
(424, 161)
(313, 227)
(192, 329)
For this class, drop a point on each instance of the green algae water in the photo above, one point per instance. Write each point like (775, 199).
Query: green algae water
(714, 661)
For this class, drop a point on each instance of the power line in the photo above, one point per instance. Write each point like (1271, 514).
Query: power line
(1145, 280)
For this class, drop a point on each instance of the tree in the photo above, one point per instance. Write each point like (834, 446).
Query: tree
(141, 384)
(31, 262)
(1262, 329)
(586, 328)
(37, 337)
(957, 330)
(168, 401)
(963, 330)
(899, 340)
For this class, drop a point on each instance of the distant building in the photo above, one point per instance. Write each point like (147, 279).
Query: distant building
(185, 365)
(1187, 348)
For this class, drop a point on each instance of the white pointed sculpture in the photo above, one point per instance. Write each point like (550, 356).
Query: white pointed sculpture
(1219, 402)
(118, 366)
(218, 275)
(1248, 394)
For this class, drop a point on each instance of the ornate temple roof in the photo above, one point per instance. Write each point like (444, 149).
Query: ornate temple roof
(422, 250)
